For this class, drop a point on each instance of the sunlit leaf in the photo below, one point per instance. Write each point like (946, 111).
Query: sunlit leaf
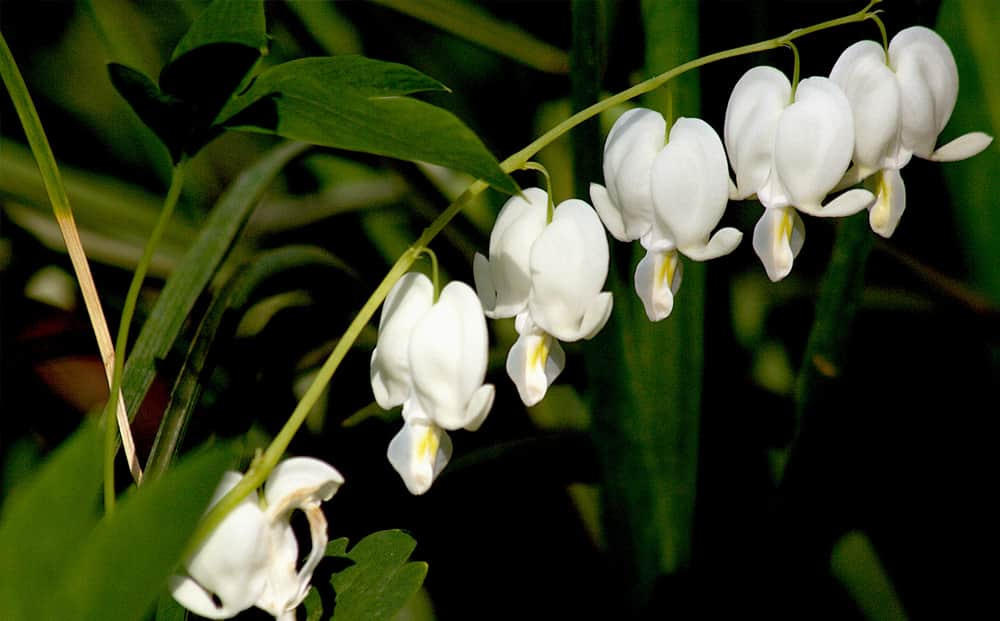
(360, 104)
(376, 579)
(123, 566)
(45, 522)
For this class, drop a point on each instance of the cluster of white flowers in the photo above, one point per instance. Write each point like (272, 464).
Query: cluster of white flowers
(252, 557)
(790, 146)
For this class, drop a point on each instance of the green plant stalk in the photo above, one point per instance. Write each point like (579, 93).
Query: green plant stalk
(261, 468)
(56, 191)
(131, 298)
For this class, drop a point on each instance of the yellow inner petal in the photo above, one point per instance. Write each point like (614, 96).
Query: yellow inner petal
(428, 445)
(668, 267)
(540, 353)
(783, 236)
(880, 210)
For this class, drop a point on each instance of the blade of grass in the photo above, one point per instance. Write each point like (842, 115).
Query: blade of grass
(195, 272)
(475, 25)
(64, 216)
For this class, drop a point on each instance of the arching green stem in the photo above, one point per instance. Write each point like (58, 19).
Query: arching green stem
(885, 37)
(257, 474)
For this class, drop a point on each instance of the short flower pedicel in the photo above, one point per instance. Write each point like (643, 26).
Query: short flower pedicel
(431, 359)
(900, 105)
(250, 559)
(549, 277)
(791, 154)
(669, 194)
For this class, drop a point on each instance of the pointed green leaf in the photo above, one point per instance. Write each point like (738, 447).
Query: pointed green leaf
(360, 104)
(207, 67)
(226, 21)
(378, 579)
(44, 523)
(128, 557)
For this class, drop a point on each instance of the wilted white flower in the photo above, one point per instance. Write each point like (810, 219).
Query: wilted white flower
(791, 154)
(252, 557)
(669, 194)
(900, 105)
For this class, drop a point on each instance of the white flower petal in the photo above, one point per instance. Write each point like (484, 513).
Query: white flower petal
(479, 407)
(610, 215)
(657, 279)
(928, 79)
(962, 147)
(227, 573)
(690, 183)
(569, 264)
(722, 243)
(847, 204)
(419, 452)
(287, 587)
(299, 482)
(519, 223)
(533, 363)
(814, 142)
(876, 102)
(406, 303)
(448, 356)
(890, 202)
(777, 240)
(632, 143)
(755, 105)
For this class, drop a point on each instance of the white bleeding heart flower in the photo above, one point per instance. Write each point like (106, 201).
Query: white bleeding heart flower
(549, 277)
(252, 556)
(790, 153)
(669, 194)
(430, 358)
(900, 105)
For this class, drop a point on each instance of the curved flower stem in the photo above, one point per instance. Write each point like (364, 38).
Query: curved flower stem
(260, 469)
(121, 343)
(795, 69)
(551, 208)
(435, 277)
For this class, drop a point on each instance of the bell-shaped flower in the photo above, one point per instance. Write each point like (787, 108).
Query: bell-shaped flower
(251, 558)
(790, 153)
(669, 194)
(900, 106)
(431, 358)
(549, 277)
(569, 264)
(504, 280)
(406, 303)
(449, 349)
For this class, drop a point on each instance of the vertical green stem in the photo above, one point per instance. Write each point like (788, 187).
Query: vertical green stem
(121, 343)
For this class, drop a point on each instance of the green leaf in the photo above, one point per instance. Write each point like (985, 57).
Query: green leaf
(359, 104)
(377, 581)
(195, 272)
(226, 21)
(647, 382)
(124, 565)
(970, 29)
(208, 65)
(45, 522)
